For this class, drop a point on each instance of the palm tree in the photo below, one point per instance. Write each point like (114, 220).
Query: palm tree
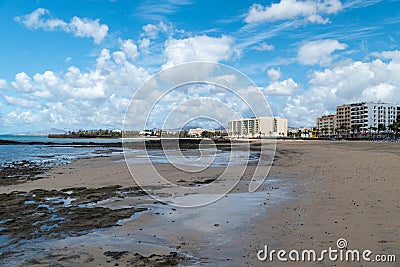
(395, 127)
(358, 127)
(298, 133)
(335, 132)
(370, 132)
(306, 133)
(321, 132)
(342, 128)
(374, 129)
(381, 128)
(355, 128)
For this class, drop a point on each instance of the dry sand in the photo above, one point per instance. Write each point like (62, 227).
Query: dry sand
(347, 190)
(316, 193)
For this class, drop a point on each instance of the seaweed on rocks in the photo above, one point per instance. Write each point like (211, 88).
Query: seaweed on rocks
(57, 214)
(20, 172)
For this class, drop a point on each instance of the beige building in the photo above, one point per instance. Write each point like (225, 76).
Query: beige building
(343, 119)
(258, 127)
(326, 126)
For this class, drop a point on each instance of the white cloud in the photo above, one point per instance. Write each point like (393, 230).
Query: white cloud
(129, 48)
(198, 48)
(274, 74)
(282, 88)
(22, 82)
(3, 84)
(381, 91)
(144, 45)
(68, 59)
(310, 10)
(152, 31)
(277, 87)
(263, 47)
(395, 55)
(99, 95)
(21, 102)
(88, 28)
(319, 52)
(22, 117)
(79, 27)
(35, 20)
(94, 98)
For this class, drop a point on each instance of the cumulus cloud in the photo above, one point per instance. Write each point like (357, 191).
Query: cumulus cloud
(395, 55)
(279, 88)
(21, 102)
(381, 91)
(88, 28)
(25, 117)
(319, 52)
(282, 88)
(3, 84)
(274, 74)
(79, 27)
(22, 82)
(198, 48)
(97, 97)
(309, 10)
(144, 45)
(129, 47)
(345, 83)
(152, 31)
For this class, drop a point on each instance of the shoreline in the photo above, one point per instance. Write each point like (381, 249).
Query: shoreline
(315, 194)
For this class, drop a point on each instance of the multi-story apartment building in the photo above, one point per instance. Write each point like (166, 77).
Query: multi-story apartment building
(367, 117)
(326, 126)
(364, 117)
(343, 118)
(258, 127)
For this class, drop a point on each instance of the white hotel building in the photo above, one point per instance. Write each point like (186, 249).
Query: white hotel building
(258, 127)
(370, 115)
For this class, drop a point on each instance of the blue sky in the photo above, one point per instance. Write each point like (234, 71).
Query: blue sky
(76, 65)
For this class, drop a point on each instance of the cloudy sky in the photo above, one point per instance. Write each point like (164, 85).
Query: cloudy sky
(72, 66)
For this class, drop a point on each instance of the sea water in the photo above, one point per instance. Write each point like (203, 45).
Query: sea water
(52, 151)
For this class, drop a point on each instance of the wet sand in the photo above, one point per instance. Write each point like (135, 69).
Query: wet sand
(316, 193)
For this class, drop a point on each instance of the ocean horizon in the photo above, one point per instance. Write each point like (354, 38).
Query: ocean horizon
(52, 151)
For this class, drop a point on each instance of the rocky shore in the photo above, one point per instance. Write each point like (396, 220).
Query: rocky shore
(20, 172)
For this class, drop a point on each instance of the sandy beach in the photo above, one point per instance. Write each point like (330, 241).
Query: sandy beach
(316, 193)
